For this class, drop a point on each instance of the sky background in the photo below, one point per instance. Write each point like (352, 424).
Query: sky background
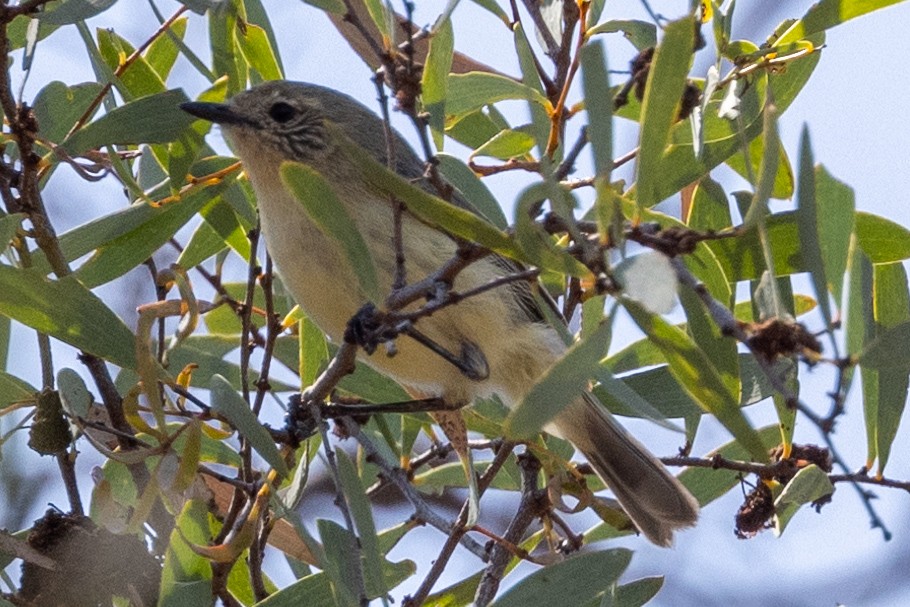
(856, 107)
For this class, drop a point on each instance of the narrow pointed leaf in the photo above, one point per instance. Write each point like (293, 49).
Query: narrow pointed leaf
(808, 220)
(434, 85)
(881, 239)
(319, 201)
(564, 382)
(187, 577)
(891, 306)
(693, 370)
(829, 13)
(66, 310)
(835, 202)
(361, 512)
(559, 584)
(666, 81)
(227, 402)
(153, 119)
(809, 484)
(599, 107)
(471, 91)
(474, 190)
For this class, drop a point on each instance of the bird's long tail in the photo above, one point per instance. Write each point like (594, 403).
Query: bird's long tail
(653, 498)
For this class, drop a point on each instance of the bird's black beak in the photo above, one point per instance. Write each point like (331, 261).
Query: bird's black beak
(219, 113)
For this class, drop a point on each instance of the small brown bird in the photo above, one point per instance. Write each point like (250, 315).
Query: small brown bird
(290, 121)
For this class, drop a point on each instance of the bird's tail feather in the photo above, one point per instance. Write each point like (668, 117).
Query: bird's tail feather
(653, 498)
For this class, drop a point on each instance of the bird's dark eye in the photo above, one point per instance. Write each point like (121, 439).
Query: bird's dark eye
(281, 111)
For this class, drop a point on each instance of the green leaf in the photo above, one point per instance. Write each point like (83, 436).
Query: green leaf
(14, 390)
(741, 258)
(658, 387)
(435, 79)
(362, 514)
(314, 351)
(476, 127)
(891, 308)
(809, 484)
(808, 220)
(835, 202)
(637, 593)
(9, 225)
(506, 144)
(660, 107)
(163, 51)
(559, 584)
(783, 180)
(74, 396)
(540, 119)
(620, 394)
(720, 349)
(316, 590)
(471, 91)
(336, 7)
(473, 188)
(139, 79)
(226, 58)
(258, 51)
(186, 578)
(724, 138)
(72, 11)
(888, 352)
(182, 153)
(599, 107)
(693, 370)
(66, 310)
(115, 257)
(318, 200)
(58, 107)
(883, 240)
(343, 562)
(152, 119)
(313, 591)
(538, 247)
(642, 34)
(438, 479)
(860, 325)
(229, 404)
(829, 13)
(768, 169)
(379, 13)
(493, 7)
(562, 383)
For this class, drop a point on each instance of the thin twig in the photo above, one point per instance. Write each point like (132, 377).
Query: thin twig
(342, 504)
(728, 325)
(422, 511)
(442, 559)
(533, 500)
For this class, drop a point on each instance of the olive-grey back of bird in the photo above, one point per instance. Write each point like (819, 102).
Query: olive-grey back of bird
(281, 121)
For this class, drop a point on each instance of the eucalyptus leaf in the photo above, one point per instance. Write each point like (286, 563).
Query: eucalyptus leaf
(698, 376)
(666, 82)
(560, 385)
(318, 199)
(559, 584)
(226, 402)
(66, 310)
(73, 11)
(153, 119)
(471, 91)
